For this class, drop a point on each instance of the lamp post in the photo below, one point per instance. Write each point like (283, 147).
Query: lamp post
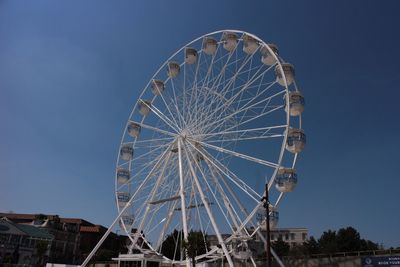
(266, 206)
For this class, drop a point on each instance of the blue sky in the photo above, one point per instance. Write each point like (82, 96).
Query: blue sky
(70, 72)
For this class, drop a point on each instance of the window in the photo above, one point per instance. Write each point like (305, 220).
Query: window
(153, 264)
(14, 239)
(292, 236)
(130, 264)
(304, 236)
(287, 236)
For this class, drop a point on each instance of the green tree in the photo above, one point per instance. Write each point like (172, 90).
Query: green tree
(196, 245)
(281, 247)
(368, 245)
(311, 246)
(171, 246)
(327, 242)
(348, 239)
(344, 240)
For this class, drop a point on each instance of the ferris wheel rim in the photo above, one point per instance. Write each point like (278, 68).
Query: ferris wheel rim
(286, 89)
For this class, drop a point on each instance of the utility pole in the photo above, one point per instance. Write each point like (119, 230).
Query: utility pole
(266, 206)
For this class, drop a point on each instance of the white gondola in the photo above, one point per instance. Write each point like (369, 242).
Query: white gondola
(273, 217)
(128, 220)
(241, 251)
(190, 55)
(134, 129)
(173, 69)
(286, 180)
(266, 56)
(126, 152)
(144, 107)
(123, 176)
(174, 148)
(209, 45)
(123, 198)
(250, 45)
(296, 103)
(199, 156)
(288, 70)
(157, 87)
(230, 41)
(262, 218)
(296, 140)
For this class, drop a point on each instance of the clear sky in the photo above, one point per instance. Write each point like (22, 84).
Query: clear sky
(70, 72)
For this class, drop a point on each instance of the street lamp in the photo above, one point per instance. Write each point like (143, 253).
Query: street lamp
(265, 199)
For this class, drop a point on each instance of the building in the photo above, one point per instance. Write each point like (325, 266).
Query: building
(72, 238)
(293, 236)
(23, 244)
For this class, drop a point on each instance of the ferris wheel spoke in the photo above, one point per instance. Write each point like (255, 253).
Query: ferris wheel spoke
(149, 141)
(218, 80)
(155, 129)
(222, 72)
(166, 224)
(163, 117)
(175, 103)
(151, 197)
(181, 193)
(237, 74)
(230, 175)
(193, 158)
(209, 69)
(229, 103)
(175, 122)
(146, 179)
(247, 108)
(240, 155)
(210, 215)
(233, 215)
(261, 130)
(243, 87)
(235, 198)
(241, 123)
(145, 166)
(247, 138)
(193, 96)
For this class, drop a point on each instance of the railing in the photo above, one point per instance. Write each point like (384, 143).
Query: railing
(15, 265)
(349, 254)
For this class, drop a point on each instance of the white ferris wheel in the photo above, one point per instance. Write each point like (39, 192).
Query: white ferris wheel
(221, 109)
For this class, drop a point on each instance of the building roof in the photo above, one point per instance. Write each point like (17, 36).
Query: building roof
(23, 218)
(91, 229)
(28, 230)
(34, 231)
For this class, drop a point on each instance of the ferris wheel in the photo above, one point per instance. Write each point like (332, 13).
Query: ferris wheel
(219, 112)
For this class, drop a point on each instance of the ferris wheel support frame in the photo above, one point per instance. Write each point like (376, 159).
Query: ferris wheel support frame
(128, 204)
(210, 215)
(174, 131)
(182, 195)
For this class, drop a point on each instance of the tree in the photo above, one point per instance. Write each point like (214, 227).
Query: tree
(368, 245)
(312, 246)
(327, 242)
(171, 247)
(281, 247)
(348, 239)
(344, 240)
(196, 245)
